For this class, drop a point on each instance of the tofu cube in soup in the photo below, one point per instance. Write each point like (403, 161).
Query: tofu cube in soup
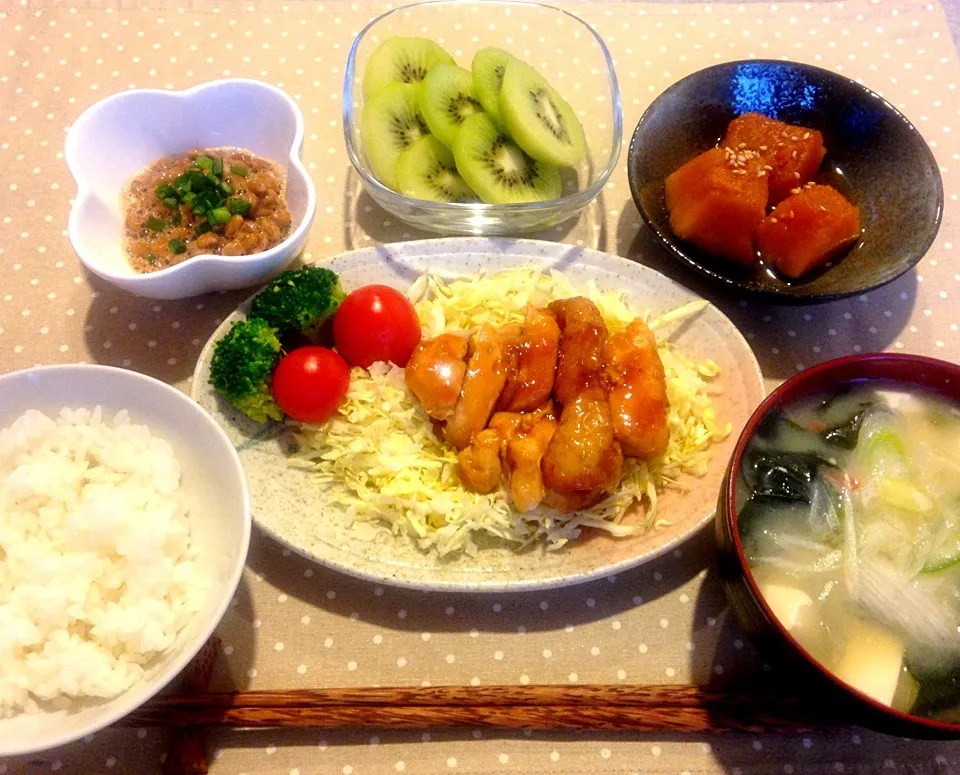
(716, 202)
(792, 153)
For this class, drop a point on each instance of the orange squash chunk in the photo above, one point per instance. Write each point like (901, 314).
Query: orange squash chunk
(791, 153)
(716, 201)
(807, 229)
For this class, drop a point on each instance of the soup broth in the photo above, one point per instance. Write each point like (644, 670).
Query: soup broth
(849, 514)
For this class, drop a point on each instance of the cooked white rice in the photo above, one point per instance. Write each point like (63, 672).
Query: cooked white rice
(97, 574)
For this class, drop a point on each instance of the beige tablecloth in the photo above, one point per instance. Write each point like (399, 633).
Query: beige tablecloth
(294, 624)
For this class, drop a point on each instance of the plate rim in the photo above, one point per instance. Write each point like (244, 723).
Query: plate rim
(539, 250)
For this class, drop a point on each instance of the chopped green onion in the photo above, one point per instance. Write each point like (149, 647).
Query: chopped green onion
(165, 191)
(203, 227)
(238, 206)
(199, 209)
(151, 259)
(226, 188)
(218, 167)
(156, 224)
(177, 218)
(178, 246)
(203, 162)
(170, 201)
(238, 170)
(189, 198)
(219, 216)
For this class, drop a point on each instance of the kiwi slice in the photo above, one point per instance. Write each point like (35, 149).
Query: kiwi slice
(390, 122)
(426, 170)
(400, 60)
(446, 100)
(497, 168)
(489, 65)
(539, 119)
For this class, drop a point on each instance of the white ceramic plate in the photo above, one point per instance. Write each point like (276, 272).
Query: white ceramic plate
(293, 509)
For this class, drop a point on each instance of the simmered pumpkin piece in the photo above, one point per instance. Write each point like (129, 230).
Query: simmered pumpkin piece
(792, 153)
(807, 229)
(716, 201)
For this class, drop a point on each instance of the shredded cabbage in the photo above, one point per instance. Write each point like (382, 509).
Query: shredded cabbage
(381, 460)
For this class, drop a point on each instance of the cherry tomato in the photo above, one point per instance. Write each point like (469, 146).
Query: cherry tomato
(376, 323)
(310, 383)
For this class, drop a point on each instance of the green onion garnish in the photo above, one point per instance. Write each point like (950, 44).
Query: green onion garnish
(177, 218)
(156, 224)
(203, 162)
(226, 188)
(236, 169)
(218, 216)
(218, 167)
(165, 191)
(151, 259)
(238, 206)
(199, 209)
(170, 201)
(177, 246)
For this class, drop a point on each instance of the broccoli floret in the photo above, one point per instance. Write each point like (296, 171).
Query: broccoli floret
(241, 367)
(299, 300)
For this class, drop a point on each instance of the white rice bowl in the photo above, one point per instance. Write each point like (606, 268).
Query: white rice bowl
(122, 540)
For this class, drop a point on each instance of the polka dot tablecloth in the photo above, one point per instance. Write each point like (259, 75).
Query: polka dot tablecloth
(294, 624)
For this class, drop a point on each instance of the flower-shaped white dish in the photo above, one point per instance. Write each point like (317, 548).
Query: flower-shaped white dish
(119, 136)
(212, 487)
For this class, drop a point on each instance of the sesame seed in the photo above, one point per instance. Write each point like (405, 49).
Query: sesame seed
(763, 147)
(796, 175)
(822, 208)
(794, 156)
(794, 190)
(806, 136)
(739, 172)
(761, 173)
(768, 167)
(793, 138)
(742, 145)
(772, 219)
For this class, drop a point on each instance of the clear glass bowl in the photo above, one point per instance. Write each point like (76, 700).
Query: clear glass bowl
(566, 50)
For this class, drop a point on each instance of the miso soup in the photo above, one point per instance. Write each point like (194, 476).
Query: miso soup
(849, 513)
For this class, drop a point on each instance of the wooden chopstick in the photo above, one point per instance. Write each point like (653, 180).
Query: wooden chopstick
(585, 707)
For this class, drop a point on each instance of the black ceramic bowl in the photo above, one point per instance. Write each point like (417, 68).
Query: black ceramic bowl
(875, 157)
(746, 601)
